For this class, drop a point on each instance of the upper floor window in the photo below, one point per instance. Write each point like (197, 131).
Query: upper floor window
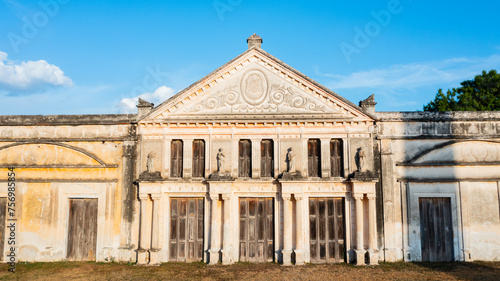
(245, 159)
(176, 159)
(198, 158)
(314, 158)
(336, 158)
(266, 158)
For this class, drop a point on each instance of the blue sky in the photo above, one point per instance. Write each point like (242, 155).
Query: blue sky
(85, 57)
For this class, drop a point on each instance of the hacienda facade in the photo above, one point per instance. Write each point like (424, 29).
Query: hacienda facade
(255, 162)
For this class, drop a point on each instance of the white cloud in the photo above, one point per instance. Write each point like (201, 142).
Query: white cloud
(415, 75)
(30, 75)
(128, 105)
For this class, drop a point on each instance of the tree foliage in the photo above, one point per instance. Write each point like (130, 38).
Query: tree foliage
(480, 94)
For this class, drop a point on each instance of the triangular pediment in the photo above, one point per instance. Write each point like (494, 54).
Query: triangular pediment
(254, 85)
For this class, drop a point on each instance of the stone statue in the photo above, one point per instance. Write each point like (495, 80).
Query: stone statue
(220, 160)
(150, 162)
(361, 159)
(290, 158)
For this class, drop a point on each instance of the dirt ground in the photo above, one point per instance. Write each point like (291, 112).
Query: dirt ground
(245, 271)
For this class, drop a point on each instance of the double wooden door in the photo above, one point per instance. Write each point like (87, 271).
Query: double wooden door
(186, 229)
(326, 230)
(256, 229)
(436, 230)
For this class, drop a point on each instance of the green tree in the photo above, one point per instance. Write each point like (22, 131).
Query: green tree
(480, 94)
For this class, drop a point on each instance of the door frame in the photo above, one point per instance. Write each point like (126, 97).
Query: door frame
(415, 192)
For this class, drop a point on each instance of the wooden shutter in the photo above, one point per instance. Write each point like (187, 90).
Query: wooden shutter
(245, 159)
(314, 158)
(256, 229)
(186, 229)
(336, 159)
(266, 158)
(326, 228)
(198, 158)
(176, 159)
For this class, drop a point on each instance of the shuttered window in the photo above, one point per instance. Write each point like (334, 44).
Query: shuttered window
(314, 158)
(266, 158)
(198, 158)
(336, 158)
(176, 159)
(245, 159)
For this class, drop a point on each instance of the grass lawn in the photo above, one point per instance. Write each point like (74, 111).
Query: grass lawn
(246, 271)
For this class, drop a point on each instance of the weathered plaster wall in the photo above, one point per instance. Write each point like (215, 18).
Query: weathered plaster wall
(455, 155)
(63, 157)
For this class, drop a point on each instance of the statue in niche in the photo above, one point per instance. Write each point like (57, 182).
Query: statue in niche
(220, 160)
(360, 159)
(290, 158)
(150, 162)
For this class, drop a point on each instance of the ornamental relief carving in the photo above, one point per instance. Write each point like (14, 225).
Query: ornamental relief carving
(254, 95)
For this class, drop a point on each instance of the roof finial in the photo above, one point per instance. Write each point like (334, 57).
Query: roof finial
(254, 41)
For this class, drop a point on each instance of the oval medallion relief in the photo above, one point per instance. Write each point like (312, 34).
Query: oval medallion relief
(254, 87)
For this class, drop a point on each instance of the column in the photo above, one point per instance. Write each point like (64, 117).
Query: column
(155, 252)
(187, 159)
(142, 252)
(287, 230)
(299, 248)
(360, 249)
(255, 158)
(127, 203)
(372, 230)
(227, 249)
(325, 158)
(214, 231)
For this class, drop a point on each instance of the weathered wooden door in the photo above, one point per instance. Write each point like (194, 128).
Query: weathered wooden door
(82, 229)
(245, 159)
(326, 228)
(314, 158)
(186, 229)
(198, 158)
(436, 230)
(256, 229)
(336, 162)
(176, 159)
(266, 158)
(3, 216)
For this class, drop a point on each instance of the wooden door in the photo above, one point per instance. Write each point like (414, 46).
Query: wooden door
(198, 158)
(314, 158)
(256, 229)
(176, 159)
(3, 216)
(266, 158)
(82, 229)
(336, 159)
(186, 229)
(245, 159)
(436, 232)
(326, 228)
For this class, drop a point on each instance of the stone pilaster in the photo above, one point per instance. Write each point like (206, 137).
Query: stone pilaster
(187, 159)
(155, 251)
(325, 158)
(214, 231)
(287, 230)
(299, 249)
(360, 249)
(227, 247)
(255, 158)
(143, 251)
